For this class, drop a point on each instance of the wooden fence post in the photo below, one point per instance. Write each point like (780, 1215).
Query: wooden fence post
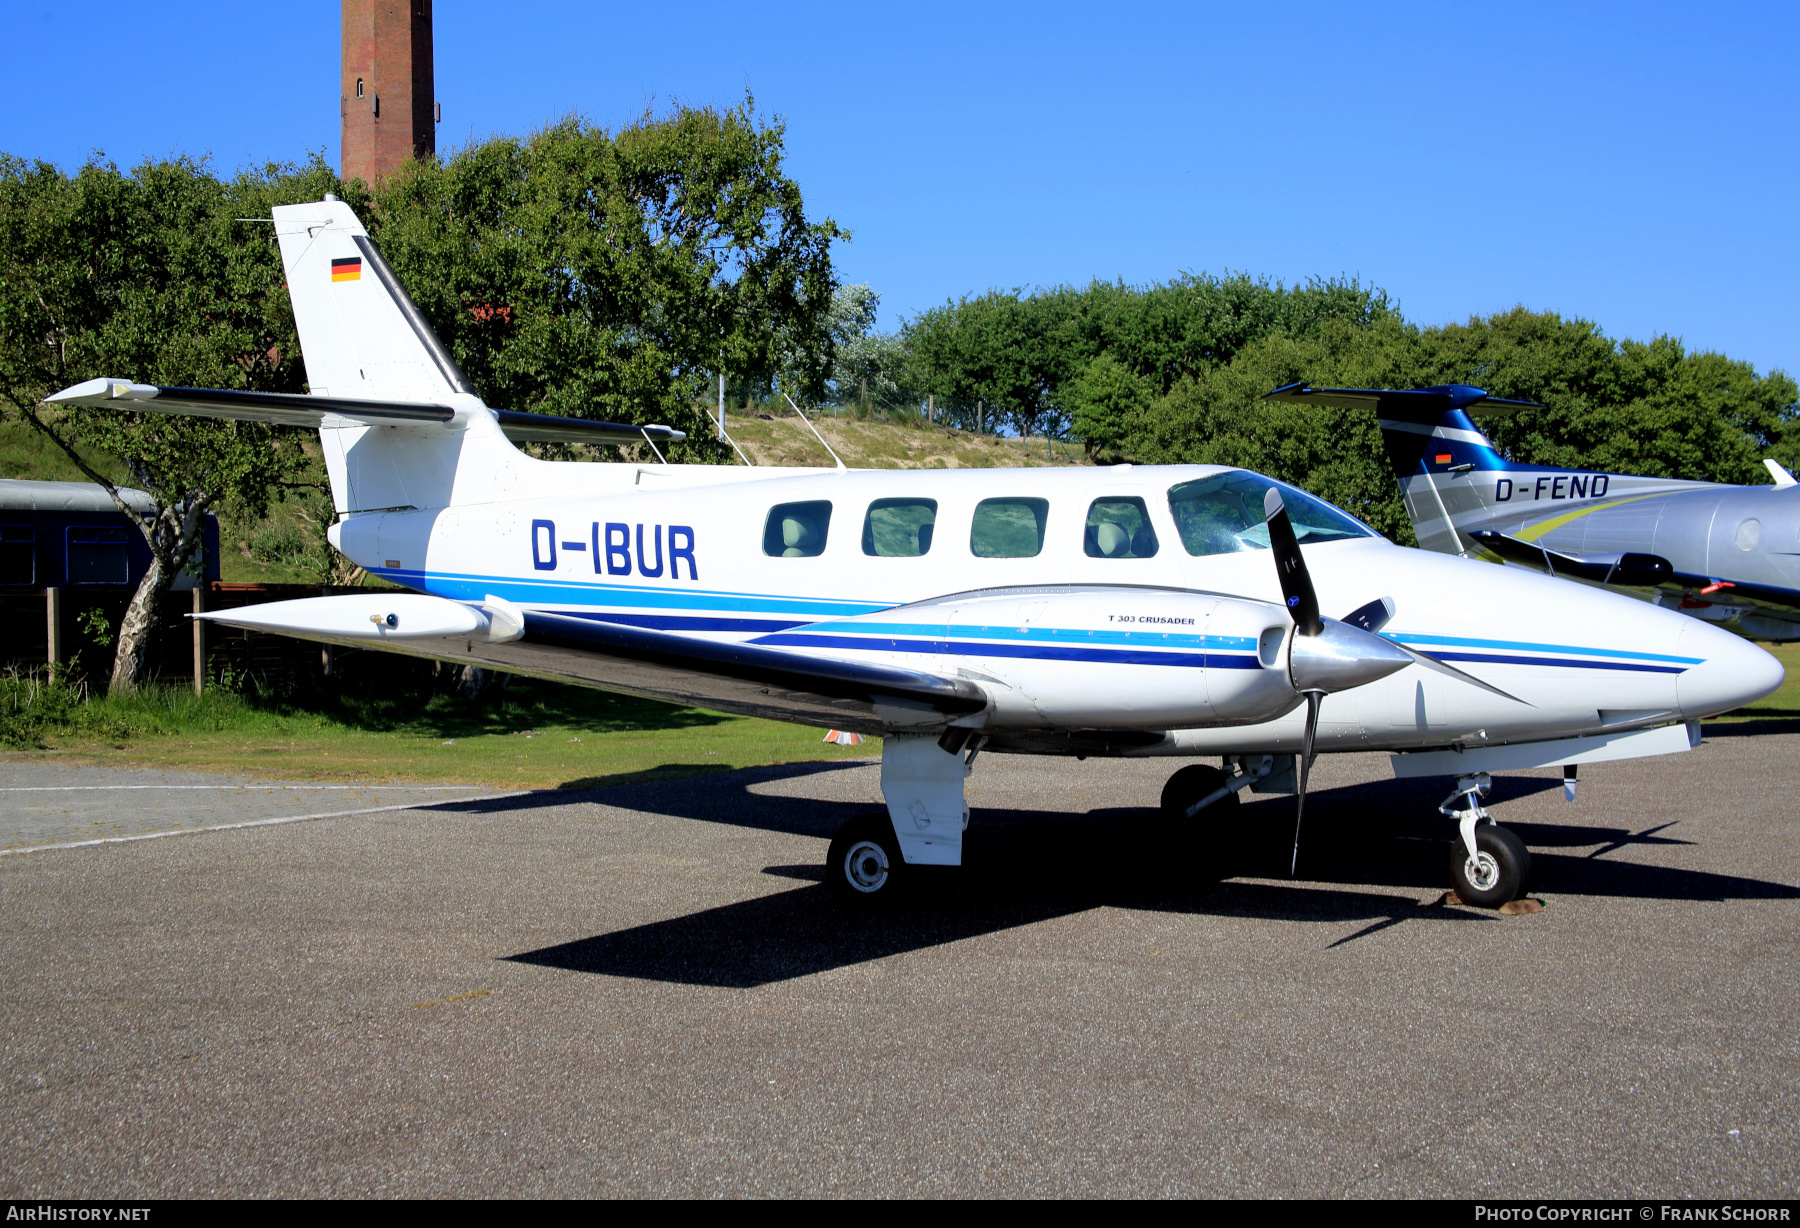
(53, 642)
(200, 638)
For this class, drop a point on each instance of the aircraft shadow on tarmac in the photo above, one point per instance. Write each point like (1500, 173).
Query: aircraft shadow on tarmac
(1378, 845)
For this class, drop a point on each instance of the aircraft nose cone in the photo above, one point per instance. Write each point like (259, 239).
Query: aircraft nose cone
(1733, 671)
(1341, 657)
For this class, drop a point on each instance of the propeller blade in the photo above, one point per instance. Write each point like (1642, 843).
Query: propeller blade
(1371, 617)
(1375, 615)
(1450, 671)
(1313, 701)
(1296, 584)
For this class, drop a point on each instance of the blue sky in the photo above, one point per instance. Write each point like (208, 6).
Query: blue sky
(1633, 164)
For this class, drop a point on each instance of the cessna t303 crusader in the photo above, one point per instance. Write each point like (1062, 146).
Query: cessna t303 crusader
(1186, 611)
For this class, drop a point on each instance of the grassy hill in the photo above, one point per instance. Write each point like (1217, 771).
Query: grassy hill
(772, 438)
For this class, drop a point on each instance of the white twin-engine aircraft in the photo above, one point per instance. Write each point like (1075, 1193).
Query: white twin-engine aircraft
(1128, 611)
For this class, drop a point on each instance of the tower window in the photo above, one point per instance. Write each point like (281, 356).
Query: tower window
(359, 93)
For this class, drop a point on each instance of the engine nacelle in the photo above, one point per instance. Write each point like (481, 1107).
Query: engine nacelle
(1096, 656)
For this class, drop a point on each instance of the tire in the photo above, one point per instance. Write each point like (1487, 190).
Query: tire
(1188, 786)
(1500, 878)
(864, 868)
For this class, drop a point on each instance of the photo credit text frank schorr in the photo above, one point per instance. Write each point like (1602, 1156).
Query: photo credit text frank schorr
(1745, 1211)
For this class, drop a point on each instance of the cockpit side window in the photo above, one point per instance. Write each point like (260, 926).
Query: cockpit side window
(1224, 513)
(1119, 528)
(1008, 528)
(899, 528)
(797, 530)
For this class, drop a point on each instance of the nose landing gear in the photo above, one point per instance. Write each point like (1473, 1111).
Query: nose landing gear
(1489, 864)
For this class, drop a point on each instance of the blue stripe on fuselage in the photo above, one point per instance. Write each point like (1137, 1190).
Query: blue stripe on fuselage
(1040, 652)
(1499, 660)
(677, 622)
(465, 587)
(1046, 643)
(1157, 639)
(1460, 642)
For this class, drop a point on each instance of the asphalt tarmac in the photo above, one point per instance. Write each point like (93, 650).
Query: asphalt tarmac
(646, 991)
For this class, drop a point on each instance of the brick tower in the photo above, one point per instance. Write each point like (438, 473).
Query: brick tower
(387, 100)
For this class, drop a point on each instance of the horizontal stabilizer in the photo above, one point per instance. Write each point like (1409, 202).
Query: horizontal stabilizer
(293, 409)
(276, 408)
(548, 428)
(1425, 406)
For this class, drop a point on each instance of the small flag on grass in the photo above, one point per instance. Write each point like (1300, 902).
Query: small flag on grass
(844, 739)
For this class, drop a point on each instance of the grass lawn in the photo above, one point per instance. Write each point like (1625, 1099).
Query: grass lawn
(538, 735)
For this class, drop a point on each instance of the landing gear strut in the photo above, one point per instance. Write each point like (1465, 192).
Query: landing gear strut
(1200, 787)
(1488, 864)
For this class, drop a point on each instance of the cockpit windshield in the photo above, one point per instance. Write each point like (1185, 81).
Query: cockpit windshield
(1224, 513)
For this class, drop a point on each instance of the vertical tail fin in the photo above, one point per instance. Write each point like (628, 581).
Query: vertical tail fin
(1435, 450)
(360, 333)
(362, 337)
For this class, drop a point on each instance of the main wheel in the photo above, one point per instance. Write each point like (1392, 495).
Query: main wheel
(1188, 786)
(864, 868)
(1496, 874)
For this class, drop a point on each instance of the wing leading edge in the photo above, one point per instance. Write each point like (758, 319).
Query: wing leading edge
(746, 679)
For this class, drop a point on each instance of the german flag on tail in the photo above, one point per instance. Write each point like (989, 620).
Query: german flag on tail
(347, 268)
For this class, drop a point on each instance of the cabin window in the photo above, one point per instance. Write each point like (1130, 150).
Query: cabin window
(1224, 513)
(1008, 528)
(99, 556)
(1119, 529)
(899, 528)
(797, 530)
(18, 554)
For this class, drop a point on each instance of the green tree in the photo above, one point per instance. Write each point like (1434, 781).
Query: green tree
(866, 365)
(1217, 416)
(1652, 407)
(1632, 407)
(609, 275)
(1028, 354)
(150, 276)
(1103, 399)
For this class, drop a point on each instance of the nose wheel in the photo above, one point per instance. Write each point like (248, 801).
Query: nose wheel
(1496, 874)
(1489, 865)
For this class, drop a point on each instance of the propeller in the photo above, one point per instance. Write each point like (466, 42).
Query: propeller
(1326, 655)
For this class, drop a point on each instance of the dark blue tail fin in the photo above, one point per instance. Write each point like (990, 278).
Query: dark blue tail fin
(1432, 445)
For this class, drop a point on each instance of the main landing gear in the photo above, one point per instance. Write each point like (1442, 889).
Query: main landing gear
(1489, 865)
(872, 856)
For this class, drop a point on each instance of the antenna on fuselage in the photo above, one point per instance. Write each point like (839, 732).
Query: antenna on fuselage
(815, 431)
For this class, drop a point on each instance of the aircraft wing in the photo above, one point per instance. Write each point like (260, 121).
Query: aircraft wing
(747, 679)
(1626, 568)
(292, 409)
(1630, 570)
